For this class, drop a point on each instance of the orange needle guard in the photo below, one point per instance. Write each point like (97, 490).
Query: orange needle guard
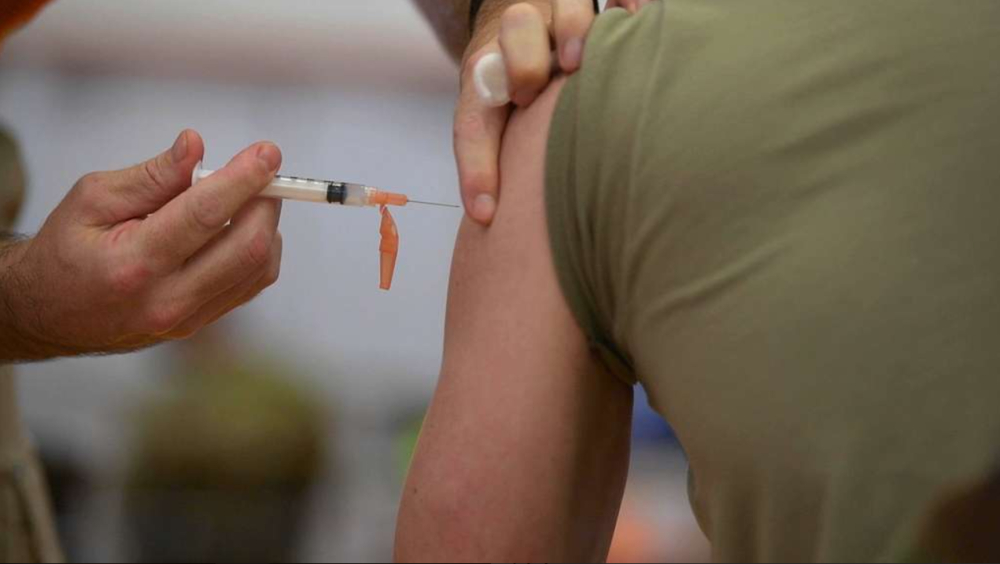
(384, 199)
(389, 248)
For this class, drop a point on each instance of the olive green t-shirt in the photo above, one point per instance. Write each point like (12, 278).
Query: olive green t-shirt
(781, 218)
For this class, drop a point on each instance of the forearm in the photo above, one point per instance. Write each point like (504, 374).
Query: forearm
(15, 343)
(24, 337)
(450, 19)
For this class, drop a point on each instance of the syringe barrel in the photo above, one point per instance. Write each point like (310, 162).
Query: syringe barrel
(299, 189)
(358, 195)
(321, 191)
(309, 190)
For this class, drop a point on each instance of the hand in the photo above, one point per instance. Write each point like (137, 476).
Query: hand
(136, 257)
(523, 33)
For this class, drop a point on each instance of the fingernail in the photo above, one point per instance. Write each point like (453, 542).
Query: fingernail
(573, 54)
(269, 156)
(179, 151)
(490, 78)
(484, 208)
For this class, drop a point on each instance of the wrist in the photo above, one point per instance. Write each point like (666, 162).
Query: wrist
(16, 340)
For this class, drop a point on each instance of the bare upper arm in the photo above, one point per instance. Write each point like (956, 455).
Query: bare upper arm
(524, 452)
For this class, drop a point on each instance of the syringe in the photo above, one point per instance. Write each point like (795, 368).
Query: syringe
(326, 192)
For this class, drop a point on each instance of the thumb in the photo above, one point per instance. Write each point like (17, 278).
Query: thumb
(147, 187)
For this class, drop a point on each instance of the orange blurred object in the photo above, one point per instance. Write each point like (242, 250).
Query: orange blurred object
(383, 199)
(635, 539)
(389, 248)
(16, 13)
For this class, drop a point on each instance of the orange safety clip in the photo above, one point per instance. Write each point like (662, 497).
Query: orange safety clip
(389, 248)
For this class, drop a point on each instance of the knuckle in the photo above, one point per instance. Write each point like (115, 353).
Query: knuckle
(274, 272)
(129, 279)
(477, 182)
(153, 172)
(270, 272)
(186, 332)
(249, 170)
(207, 212)
(164, 318)
(469, 125)
(272, 276)
(257, 251)
(90, 184)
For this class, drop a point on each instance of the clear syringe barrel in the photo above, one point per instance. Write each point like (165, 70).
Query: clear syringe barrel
(320, 191)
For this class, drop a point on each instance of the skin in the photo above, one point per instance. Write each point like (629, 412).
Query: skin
(524, 32)
(136, 257)
(524, 454)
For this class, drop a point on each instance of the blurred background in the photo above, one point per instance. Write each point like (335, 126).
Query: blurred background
(284, 433)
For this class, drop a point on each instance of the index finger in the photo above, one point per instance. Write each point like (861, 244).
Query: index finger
(478, 132)
(180, 229)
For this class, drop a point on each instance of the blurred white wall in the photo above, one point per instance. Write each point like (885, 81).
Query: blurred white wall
(333, 42)
(350, 90)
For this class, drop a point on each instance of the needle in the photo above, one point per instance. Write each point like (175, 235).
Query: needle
(433, 204)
